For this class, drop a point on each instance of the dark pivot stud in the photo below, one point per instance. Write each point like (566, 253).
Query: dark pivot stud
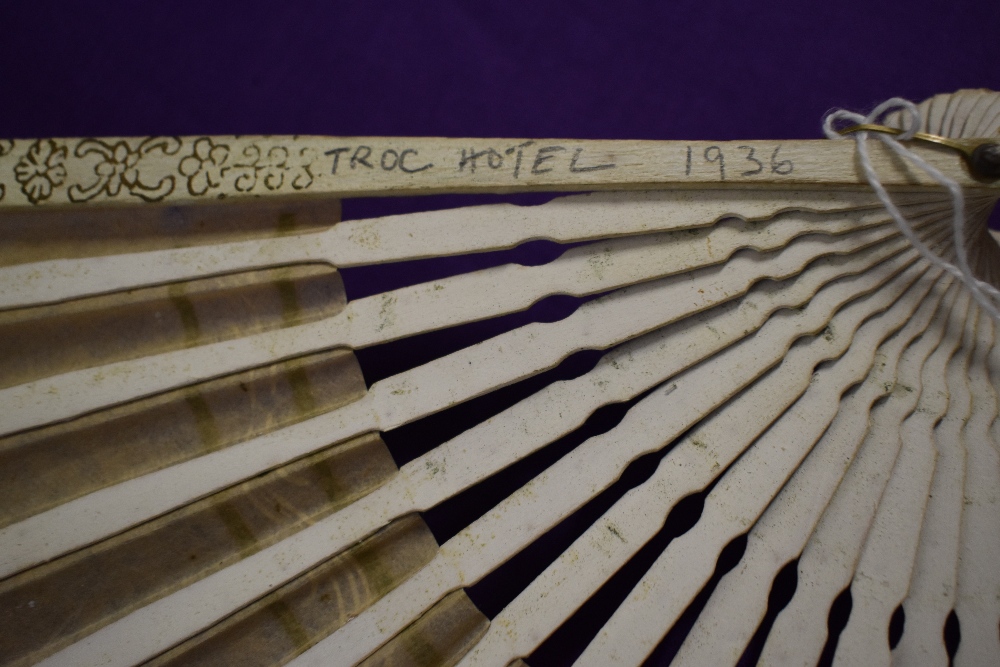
(985, 161)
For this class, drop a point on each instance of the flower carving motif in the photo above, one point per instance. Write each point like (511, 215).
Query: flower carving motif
(41, 169)
(118, 167)
(204, 167)
(108, 168)
(6, 146)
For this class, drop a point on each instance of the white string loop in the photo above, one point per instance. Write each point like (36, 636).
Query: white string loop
(984, 293)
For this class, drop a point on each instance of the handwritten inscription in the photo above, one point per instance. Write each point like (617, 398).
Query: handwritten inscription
(526, 158)
(542, 159)
(749, 164)
(406, 160)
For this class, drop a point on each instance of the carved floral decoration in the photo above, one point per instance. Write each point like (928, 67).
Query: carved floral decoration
(6, 146)
(204, 167)
(41, 169)
(107, 168)
(119, 168)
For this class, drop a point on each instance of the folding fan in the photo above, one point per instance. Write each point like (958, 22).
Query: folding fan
(758, 425)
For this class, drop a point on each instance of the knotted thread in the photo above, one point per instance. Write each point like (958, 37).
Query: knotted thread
(984, 293)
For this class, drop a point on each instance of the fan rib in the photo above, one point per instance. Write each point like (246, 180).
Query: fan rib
(420, 235)
(735, 503)
(931, 594)
(221, 590)
(782, 531)
(398, 400)
(365, 322)
(977, 597)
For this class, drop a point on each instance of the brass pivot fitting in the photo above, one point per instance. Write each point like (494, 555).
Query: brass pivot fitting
(982, 155)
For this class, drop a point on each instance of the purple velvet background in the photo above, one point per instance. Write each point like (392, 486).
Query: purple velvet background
(594, 69)
(652, 70)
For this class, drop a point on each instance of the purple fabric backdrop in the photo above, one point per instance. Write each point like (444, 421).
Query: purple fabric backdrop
(594, 69)
(656, 70)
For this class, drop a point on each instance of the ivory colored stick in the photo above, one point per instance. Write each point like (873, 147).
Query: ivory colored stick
(239, 584)
(173, 170)
(931, 595)
(977, 599)
(535, 507)
(363, 323)
(792, 635)
(882, 573)
(835, 551)
(419, 392)
(734, 504)
(406, 397)
(831, 558)
(783, 529)
(703, 454)
(422, 235)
